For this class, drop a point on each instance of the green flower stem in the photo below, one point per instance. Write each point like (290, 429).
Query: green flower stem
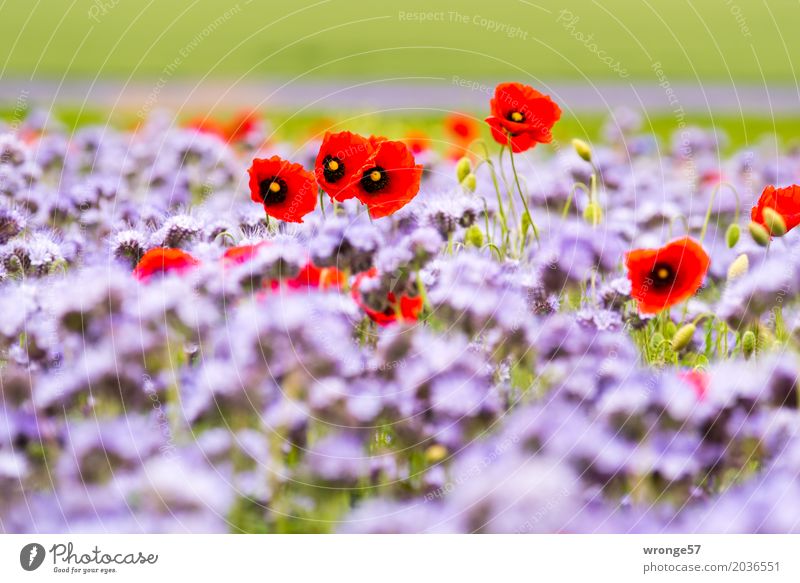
(711, 204)
(322, 202)
(568, 204)
(524, 203)
(500, 207)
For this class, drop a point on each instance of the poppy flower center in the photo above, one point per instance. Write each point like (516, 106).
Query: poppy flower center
(662, 275)
(374, 179)
(273, 190)
(332, 169)
(516, 116)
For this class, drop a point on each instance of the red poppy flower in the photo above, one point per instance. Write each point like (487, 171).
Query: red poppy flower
(522, 116)
(663, 277)
(784, 201)
(242, 253)
(163, 260)
(339, 162)
(405, 309)
(208, 125)
(389, 179)
(698, 380)
(311, 276)
(287, 191)
(462, 128)
(242, 126)
(417, 141)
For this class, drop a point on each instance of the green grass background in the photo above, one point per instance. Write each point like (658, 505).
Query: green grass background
(700, 41)
(743, 40)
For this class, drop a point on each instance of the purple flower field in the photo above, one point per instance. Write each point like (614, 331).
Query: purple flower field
(474, 362)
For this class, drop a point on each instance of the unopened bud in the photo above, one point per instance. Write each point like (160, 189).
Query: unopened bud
(759, 234)
(474, 236)
(583, 149)
(774, 222)
(732, 235)
(470, 182)
(739, 267)
(463, 167)
(435, 453)
(748, 343)
(593, 214)
(683, 337)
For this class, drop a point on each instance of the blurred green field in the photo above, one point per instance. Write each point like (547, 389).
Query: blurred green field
(290, 127)
(723, 40)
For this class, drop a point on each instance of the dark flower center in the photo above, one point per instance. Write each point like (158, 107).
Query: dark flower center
(374, 179)
(662, 275)
(273, 190)
(516, 117)
(332, 169)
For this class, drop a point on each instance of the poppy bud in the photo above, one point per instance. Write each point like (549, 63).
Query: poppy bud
(593, 214)
(732, 235)
(739, 267)
(470, 182)
(474, 236)
(759, 234)
(683, 337)
(583, 149)
(748, 343)
(774, 222)
(435, 453)
(463, 168)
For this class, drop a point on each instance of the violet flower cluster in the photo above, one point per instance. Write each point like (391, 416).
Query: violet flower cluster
(527, 395)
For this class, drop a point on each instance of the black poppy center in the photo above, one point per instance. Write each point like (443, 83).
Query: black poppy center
(273, 190)
(374, 179)
(662, 275)
(516, 117)
(332, 169)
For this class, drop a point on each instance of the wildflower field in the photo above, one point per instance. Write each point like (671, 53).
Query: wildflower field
(206, 328)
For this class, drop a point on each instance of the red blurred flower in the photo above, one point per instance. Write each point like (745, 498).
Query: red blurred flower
(663, 277)
(339, 162)
(242, 253)
(462, 128)
(522, 116)
(698, 380)
(406, 309)
(287, 190)
(417, 141)
(784, 201)
(242, 125)
(234, 131)
(207, 125)
(311, 276)
(163, 260)
(389, 179)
